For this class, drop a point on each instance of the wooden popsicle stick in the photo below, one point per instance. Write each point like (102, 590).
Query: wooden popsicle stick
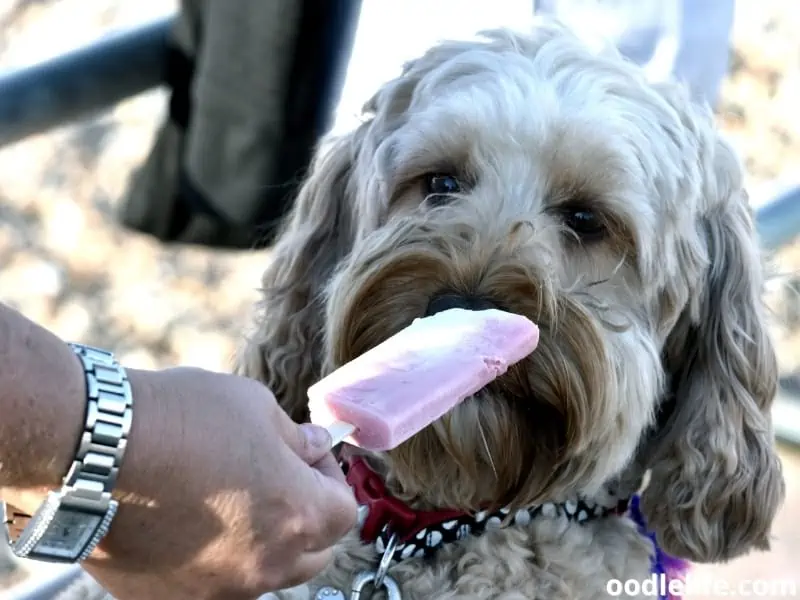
(340, 431)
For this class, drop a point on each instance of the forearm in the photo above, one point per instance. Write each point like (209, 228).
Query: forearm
(42, 403)
(43, 407)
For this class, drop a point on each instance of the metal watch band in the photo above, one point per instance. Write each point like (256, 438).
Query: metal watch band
(72, 521)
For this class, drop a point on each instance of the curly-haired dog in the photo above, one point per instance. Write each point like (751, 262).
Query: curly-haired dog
(529, 173)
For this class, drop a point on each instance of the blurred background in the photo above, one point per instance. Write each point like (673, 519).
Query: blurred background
(67, 264)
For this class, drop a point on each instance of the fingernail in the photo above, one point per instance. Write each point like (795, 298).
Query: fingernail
(317, 437)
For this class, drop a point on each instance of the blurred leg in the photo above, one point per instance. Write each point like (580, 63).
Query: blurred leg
(687, 40)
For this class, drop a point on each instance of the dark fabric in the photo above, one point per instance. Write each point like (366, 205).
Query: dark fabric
(240, 132)
(312, 92)
(179, 75)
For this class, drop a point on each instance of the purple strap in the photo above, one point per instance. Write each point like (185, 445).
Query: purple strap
(664, 566)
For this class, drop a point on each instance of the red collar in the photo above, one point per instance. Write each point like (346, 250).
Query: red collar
(386, 510)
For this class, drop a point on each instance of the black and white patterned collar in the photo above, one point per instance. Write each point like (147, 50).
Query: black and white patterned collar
(428, 540)
(399, 532)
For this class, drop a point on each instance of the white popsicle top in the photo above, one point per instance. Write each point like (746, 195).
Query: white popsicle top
(397, 388)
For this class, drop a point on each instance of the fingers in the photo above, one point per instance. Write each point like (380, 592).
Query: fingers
(325, 509)
(329, 467)
(310, 442)
(330, 510)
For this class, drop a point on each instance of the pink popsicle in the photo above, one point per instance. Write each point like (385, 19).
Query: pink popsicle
(397, 388)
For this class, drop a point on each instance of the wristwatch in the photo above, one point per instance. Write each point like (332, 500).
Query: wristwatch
(71, 521)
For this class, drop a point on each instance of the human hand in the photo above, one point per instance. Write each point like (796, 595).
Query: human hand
(222, 495)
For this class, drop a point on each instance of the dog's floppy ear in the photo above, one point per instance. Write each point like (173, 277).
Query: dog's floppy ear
(716, 481)
(284, 351)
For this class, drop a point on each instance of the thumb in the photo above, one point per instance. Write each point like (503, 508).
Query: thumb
(310, 442)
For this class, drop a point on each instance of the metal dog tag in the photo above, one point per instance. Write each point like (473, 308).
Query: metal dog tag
(329, 593)
(367, 578)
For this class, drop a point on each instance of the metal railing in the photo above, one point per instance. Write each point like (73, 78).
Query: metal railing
(779, 220)
(82, 83)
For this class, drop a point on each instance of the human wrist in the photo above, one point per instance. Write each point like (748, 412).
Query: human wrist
(85, 498)
(43, 404)
(146, 434)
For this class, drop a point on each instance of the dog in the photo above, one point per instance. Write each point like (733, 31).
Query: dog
(531, 173)
(534, 174)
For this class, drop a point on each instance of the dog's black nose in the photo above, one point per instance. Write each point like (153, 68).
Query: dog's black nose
(449, 300)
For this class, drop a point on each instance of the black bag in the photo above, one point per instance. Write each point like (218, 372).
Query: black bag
(253, 87)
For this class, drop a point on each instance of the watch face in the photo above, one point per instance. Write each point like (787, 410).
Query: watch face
(67, 535)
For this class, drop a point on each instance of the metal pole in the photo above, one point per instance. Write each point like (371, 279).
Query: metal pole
(81, 83)
(778, 222)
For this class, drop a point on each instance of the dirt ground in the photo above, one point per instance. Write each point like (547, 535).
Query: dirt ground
(159, 306)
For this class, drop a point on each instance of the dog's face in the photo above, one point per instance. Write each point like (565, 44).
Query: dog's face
(504, 188)
(528, 174)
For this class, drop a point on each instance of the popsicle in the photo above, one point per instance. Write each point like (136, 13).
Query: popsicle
(391, 392)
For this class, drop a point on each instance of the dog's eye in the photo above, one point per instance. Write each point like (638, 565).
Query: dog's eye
(440, 187)
(584, 222)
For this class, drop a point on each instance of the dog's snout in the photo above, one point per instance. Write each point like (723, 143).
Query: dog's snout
(448, 300)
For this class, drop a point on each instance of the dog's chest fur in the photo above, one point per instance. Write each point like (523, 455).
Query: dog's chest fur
(547, 559)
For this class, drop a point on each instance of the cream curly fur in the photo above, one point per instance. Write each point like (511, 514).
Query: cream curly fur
(654, 354)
